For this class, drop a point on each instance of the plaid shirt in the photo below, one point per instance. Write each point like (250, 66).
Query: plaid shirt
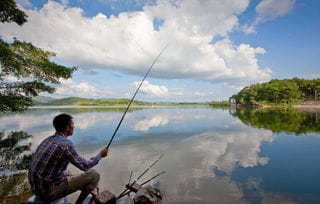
(50, 161)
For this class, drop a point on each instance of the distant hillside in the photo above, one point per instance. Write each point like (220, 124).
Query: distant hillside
(77, 101)
(42, 99)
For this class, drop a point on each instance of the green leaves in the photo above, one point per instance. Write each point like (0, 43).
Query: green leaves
(25, 70)
(14, 102)
(34, 73)
(9, 12)
(34, 62)
(279, 92)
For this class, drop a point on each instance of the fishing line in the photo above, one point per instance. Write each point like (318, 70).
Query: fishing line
(134, 95)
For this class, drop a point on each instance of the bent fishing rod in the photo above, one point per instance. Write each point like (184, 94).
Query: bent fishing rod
(134, 95)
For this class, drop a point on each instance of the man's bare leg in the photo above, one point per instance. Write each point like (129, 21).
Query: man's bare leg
(84, 193)
(95, 192)
(92, 179)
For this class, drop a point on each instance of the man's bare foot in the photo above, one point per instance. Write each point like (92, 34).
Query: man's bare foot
(95, 192)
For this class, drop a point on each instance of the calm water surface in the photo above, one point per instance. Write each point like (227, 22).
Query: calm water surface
(210, 155)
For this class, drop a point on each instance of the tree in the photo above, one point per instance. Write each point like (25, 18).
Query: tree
(9, 12)
(25, 70)
(278, 92)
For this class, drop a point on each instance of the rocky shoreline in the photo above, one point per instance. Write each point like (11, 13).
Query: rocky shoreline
(309, 106)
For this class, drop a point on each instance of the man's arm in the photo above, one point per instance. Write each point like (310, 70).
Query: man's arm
(82, 163)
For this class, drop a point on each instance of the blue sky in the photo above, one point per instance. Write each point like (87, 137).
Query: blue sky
(215, 47)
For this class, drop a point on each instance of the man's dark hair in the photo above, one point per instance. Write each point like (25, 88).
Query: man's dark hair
(61, 121)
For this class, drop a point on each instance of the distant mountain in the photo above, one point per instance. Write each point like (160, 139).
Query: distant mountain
(71, 101)
(42, 99)
(77, 101)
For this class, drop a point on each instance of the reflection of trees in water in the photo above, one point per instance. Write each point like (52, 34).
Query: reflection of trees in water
(281, 120)
(14, 188)
(15, 151)
(15, 157)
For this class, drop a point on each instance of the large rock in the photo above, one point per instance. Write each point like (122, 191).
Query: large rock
(148, 195)
(105, 197)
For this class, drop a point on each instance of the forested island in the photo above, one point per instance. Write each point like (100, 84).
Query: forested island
(277, 92)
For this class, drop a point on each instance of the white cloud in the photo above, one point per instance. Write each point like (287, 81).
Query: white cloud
(88, 120)
(65, 2)
(234, 87)
(24, 3)
(198, 93)
(154, 121)
(148, 88)
(83, 89)
(128, 42)
(199, 19)
(268, 10)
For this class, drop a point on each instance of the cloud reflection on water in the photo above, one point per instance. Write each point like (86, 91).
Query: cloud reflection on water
(189, 164)
(202, 148)
(154, 121)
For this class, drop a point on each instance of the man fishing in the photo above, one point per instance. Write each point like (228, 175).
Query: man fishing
(48, 177)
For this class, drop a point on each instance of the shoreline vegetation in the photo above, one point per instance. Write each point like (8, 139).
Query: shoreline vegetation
(122, 103)
(285, 93)
(280, 93)
(77, 102)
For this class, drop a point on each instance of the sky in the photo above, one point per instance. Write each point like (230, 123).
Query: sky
(212, 48)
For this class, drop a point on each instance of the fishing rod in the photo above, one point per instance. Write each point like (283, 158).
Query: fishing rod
(131, 172)
(134, 95)
(145, 171)
(131, 187)
(150, 179)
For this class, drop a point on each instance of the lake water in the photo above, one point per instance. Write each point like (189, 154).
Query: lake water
(210, 155)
